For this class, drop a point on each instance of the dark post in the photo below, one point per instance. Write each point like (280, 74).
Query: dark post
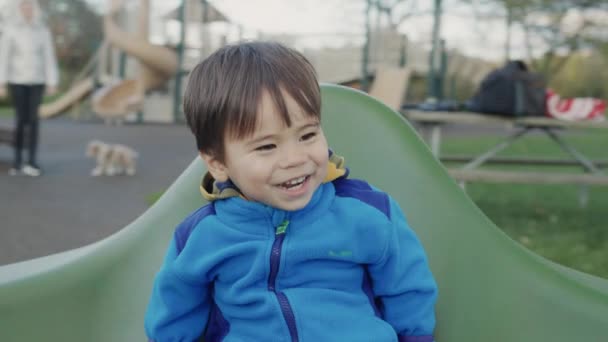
(443, 69)
(177, 95)
(435, 57)
(403, 51)
(365, 54)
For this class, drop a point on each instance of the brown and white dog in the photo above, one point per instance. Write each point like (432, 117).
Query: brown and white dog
(111, 159)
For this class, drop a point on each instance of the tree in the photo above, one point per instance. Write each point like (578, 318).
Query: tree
(399, 10)
(562, 26)
(77, 31)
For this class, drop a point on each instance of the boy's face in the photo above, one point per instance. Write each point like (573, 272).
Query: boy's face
(277, 165)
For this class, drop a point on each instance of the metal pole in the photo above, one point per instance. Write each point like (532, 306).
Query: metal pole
(443, 69)
(508, 38)
(177, 95)
(365, 57)
(205, 11)
(435, 57)
(204, 30)
(143, 29)
(403, 51)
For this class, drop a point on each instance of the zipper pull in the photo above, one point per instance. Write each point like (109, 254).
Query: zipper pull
(282, 228)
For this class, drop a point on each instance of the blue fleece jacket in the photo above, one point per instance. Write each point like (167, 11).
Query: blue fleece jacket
(345, 268)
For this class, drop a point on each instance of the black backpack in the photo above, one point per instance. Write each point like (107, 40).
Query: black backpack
(512, 91)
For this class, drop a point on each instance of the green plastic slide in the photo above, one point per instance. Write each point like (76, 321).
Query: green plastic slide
(490, 288)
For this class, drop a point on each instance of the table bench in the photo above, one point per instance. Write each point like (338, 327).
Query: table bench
(432, 122)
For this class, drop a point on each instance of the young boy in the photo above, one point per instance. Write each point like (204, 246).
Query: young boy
(289, 249)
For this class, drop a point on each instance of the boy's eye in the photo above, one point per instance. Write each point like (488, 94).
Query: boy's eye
(309, 136)
(266, 147)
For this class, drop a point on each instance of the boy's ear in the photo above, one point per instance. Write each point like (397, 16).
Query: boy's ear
(218, 170)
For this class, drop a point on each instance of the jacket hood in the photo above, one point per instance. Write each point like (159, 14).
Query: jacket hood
(213, 190)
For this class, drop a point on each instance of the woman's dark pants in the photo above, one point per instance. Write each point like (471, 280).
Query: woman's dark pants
(26, 100)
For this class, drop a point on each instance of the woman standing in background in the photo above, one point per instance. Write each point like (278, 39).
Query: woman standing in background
(28, 67)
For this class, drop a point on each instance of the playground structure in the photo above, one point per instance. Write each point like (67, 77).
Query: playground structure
(156, 65)
(119, 97)
(491, 288)
(113, 94)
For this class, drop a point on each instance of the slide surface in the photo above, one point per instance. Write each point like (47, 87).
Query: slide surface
(73, 95)
(490, 288)
(156, 65)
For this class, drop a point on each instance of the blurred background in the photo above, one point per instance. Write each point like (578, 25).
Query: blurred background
(124, 66)
(565, 40)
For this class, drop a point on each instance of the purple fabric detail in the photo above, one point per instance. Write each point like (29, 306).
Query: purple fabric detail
(217, 327)
(275, 260)
(376, 303)
(289, 316)
(226, 185)
(346, 173)
(425, 338)
(362, 191)
(183, 231)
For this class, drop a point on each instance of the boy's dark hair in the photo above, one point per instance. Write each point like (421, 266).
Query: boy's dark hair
(225, 90)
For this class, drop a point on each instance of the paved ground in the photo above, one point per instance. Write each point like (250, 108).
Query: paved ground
(67, 208)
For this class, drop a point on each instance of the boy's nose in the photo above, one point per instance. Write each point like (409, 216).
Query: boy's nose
(292, 156)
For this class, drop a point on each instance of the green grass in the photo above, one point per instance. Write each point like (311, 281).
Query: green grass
(547, 219)
(592, 144)
(153, 197)
(6, 111)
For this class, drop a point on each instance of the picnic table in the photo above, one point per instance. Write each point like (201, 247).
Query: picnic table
(432, 122)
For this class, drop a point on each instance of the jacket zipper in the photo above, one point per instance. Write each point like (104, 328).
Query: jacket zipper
(275, 261)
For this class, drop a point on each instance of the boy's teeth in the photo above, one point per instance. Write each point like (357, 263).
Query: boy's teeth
(295, 181)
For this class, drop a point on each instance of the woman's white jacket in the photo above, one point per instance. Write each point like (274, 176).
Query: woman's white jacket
(27, 55)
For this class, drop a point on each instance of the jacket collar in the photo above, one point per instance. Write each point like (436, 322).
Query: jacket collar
(239, 212)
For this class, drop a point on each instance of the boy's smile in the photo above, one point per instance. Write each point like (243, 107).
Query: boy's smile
(277, 165)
